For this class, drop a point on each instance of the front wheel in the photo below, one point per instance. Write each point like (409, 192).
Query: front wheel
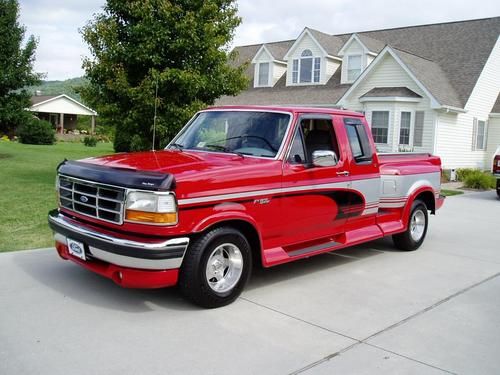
(216, 268)
(414, 236)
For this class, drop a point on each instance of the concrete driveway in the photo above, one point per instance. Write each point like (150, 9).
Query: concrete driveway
(365, 310)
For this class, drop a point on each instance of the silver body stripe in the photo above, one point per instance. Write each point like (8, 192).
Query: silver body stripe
(388, 191)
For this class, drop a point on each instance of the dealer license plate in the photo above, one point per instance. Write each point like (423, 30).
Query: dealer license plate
(76, 248)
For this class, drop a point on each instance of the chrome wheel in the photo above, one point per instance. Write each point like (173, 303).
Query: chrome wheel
(417, 225)
(224, 267)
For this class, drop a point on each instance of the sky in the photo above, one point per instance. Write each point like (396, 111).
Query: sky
(56, 23)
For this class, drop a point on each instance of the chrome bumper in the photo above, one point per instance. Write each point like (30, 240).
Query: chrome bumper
(161, 255)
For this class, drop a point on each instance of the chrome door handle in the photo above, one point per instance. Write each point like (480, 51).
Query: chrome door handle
(343, 173)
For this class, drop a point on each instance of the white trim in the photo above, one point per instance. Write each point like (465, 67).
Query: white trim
(270, 69)
(389, 99)
(495, 115)
(299, 39)
(354, 37)
(263, 47)
(33, 107)
(375, 62)
(448, 108)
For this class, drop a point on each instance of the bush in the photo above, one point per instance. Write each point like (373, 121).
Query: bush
(90, 141)
(462, 173)
(479, 180)
(37, 132)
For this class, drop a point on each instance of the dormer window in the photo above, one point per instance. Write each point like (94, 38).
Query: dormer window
(263, 74)
(353, 67)
(306, 69)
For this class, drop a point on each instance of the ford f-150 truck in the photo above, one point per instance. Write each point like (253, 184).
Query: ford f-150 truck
(237, 186)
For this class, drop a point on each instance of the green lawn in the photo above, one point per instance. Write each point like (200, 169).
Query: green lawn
(27, 186)
(449, 193)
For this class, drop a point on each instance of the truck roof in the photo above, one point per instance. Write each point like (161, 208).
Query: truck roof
(291, 109)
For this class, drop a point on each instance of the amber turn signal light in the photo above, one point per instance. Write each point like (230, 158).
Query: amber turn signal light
(151, 217)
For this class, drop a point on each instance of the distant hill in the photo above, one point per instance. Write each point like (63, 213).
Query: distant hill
(59, 87)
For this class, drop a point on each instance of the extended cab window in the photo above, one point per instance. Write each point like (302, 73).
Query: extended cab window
(244, 132)
(358, 140)
(313, 134)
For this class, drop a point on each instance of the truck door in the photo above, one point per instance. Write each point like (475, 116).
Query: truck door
(314, 203)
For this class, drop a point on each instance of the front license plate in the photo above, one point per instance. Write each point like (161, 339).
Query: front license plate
(76, 248)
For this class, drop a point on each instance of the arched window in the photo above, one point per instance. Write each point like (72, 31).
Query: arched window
(307, 68)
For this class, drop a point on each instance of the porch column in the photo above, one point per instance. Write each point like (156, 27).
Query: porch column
(61, 122)
(92, 125)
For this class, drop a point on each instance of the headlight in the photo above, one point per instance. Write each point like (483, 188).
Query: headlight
(151, 208)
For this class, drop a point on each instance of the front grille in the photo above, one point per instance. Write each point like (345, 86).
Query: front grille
(92, 199)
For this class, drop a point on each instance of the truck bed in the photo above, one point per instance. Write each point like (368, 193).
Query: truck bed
(406, 163)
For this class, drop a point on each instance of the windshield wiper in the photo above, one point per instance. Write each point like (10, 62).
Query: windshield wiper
(224, 149)
(178, 146)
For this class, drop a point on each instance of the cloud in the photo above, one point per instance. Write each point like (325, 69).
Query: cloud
(60, 51)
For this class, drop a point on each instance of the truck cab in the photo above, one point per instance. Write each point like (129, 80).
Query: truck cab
(239, 186)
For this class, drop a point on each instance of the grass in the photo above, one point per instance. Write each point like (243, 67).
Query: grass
(27, 178)
(449, 193)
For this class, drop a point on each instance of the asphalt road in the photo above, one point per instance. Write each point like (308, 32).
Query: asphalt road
(365, 310)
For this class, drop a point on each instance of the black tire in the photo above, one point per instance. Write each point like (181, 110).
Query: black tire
(498, 188)
(193, 281)
(406, 241)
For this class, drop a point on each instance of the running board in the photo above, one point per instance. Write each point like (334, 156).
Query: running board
(314, 248)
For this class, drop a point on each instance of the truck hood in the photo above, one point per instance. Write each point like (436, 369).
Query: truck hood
(192, 171)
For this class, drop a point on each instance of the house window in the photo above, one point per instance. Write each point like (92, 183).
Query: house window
(404, 129)
(480, 134)
(307, 69)
(380, 126)
(353, 67)
(295, 71)
(264, 74)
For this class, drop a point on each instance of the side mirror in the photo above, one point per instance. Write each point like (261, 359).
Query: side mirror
(324, 158)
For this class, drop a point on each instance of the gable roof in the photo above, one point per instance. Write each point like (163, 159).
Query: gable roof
(41, 98)
(378, 92)
(446, 57)
(39, 104)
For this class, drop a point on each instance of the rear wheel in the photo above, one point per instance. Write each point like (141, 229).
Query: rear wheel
(498, 188)
(414, 236)
(216, 268)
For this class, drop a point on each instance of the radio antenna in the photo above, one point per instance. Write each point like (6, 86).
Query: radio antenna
(154, 118)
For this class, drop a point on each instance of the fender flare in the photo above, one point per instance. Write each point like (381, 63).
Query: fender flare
(415, 191)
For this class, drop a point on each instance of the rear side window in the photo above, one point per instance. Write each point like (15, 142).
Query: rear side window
(358, 140)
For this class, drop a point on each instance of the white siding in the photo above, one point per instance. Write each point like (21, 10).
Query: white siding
(454, 142)
(277, 72)
(331, 67)
(388, 73)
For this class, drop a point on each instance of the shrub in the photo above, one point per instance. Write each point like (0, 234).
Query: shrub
(462, 173)
(479, 180)
(37, 132)
(90, 141)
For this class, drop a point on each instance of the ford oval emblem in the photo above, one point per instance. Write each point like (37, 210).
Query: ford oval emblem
(76, 249)
(84, 199)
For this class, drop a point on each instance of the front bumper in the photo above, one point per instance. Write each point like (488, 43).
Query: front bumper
(129, 261)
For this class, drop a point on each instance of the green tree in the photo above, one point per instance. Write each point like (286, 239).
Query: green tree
(179, 46)
(16, 68)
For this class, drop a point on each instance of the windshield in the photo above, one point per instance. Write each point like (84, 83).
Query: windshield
(242, 132)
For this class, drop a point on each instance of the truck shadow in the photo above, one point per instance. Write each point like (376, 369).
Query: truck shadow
(74, 282)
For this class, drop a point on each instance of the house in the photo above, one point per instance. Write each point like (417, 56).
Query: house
(61, 111)
(430, 88)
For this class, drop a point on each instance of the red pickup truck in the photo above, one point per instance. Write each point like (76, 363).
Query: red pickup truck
(239, 186)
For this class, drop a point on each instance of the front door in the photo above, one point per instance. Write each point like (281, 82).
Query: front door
(315, 202)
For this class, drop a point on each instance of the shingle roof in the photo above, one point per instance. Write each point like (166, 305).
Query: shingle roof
(41, 98)
(432, 77)
(496, 106)
(447, 58)
(391, 91)
(331, 43)
(279, 49)
(325, 95)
